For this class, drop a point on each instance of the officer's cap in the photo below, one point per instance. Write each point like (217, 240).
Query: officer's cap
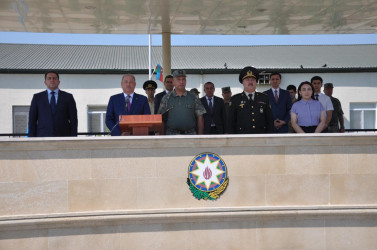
(195, 91)
(150, 84)
(248, 72)
(226, 89)
(179, 72)
(328, 86)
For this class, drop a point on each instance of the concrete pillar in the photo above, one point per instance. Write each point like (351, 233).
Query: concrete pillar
(166, 53)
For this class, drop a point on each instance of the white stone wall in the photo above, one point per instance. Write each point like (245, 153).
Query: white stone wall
(120, 193)
(96, 89)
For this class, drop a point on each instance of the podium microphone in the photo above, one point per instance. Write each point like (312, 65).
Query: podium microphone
(127, 101)
(115, 126)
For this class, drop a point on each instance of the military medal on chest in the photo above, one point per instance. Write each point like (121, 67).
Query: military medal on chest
(242, 103)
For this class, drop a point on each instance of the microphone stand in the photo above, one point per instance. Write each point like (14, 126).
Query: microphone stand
(114, 127)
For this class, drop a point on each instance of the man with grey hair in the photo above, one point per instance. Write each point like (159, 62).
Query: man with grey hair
(125, 103)
(182, 111)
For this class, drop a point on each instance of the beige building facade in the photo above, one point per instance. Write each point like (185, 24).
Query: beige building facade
(284, 192)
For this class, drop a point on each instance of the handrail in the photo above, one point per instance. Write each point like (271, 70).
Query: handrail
(79, 134)
(107, 133)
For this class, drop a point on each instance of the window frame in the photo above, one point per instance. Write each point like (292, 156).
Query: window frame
(17, 112)
(362, 112)
(97, 109)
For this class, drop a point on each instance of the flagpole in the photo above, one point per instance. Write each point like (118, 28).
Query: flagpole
(150, 57)
(150, 41)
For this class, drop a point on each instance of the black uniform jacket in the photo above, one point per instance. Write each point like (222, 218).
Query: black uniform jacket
(248, 116)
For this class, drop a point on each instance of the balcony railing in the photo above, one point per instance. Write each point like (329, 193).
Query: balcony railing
(15, 135)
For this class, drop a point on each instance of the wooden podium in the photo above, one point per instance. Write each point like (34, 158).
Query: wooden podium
(140, 124)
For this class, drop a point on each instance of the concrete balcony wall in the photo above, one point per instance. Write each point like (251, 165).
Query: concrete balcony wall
(284, 192)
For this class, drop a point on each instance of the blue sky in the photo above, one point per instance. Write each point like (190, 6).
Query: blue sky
(185, 40)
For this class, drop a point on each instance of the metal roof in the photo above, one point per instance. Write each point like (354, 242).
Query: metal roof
(32, 58)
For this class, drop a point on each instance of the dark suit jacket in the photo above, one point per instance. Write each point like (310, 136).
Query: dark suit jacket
(218, 115)
(281, 109)
(117, 106)
(42, 122)
(248, 116)
(157, 101)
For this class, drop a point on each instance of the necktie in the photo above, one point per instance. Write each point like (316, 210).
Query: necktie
(128, 104)
(251, 97)
(53, 102)
(276, 96)
(316, 97)
(210, 105)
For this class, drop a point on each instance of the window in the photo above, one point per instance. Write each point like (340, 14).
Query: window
(264, 78)
(20, 116)
(363, 115)
(97, 119)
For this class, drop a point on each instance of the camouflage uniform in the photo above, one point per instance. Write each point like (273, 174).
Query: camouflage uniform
(334, 123)
(182, 114)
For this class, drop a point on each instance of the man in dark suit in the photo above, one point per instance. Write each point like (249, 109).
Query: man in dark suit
(250, 111)
(53, 111)
(168, 83)
(281, 104)
(126, 103)
(214, 119)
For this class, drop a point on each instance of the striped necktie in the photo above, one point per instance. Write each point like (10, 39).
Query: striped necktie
(276, 96)
(128, 103)
(210, 104)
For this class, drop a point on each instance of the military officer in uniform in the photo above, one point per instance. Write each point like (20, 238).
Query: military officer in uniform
(150, 87)
(250, 111)
(227, 94)
(337, 116)
(183, 111)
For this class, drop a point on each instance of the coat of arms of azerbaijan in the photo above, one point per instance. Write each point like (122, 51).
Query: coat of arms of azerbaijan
(207, 176)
